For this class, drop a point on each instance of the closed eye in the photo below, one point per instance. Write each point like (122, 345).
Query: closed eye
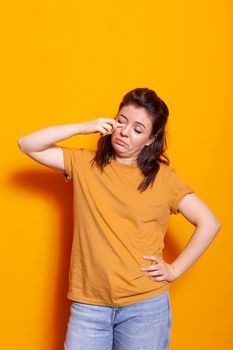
(123, 122)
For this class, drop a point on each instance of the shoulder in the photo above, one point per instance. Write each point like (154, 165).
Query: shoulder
(82, 151)
(85, 152)
(169, 174)
(75, 156)
(166, 170)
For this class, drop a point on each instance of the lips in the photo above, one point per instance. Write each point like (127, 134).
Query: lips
(120, 142)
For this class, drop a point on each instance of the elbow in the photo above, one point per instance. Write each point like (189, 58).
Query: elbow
(21, 145)
(215, 226)
(219, 226)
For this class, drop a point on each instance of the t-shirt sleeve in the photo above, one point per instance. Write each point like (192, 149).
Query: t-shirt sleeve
(178, 188)
(69, 155)
(69, 159)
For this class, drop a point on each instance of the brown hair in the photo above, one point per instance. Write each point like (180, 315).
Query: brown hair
(150, 156)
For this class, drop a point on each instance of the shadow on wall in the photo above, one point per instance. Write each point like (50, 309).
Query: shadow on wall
(51, 185)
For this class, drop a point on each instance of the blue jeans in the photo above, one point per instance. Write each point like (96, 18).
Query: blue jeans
(144, 325)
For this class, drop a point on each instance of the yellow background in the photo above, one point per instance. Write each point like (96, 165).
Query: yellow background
(65, 62)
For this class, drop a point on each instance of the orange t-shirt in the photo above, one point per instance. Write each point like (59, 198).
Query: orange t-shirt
(114, 226)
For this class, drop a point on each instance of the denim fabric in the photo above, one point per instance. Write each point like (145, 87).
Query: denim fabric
(144, 325)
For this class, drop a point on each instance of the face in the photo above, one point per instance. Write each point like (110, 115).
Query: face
(134, 134)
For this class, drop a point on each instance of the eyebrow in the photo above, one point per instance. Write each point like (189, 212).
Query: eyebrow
(135, 122)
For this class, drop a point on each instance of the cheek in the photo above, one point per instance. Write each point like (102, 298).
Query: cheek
(138, 137)
(140, 140)
(115, 133)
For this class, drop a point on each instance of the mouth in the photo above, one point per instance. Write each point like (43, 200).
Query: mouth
(120, 142)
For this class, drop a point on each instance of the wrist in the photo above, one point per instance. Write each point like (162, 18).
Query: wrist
(176, 273)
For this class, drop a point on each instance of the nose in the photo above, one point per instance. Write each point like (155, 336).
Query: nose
(124, 130)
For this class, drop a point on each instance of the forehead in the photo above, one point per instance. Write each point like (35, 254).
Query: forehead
(133, 113)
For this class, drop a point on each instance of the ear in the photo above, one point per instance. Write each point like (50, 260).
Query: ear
(149, 142)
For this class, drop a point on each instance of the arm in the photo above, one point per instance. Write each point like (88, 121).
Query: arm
(42, 139)
(40, 144)
(207, 227)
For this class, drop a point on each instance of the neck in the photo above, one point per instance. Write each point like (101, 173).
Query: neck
(126, 161)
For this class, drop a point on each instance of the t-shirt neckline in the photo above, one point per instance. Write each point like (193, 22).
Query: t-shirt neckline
(126, 166)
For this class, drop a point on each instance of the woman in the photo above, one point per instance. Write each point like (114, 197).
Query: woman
(124, 194)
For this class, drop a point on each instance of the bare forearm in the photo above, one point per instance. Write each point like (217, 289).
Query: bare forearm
(43, 138)
(196, 246)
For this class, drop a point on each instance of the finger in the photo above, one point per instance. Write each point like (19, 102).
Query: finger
(105, 129)
(112, 122)
(119, 125)
(151, 268)
(154, 273)
(109, 120)
(149, 257)
(102, 131)
(152, 257)
(107, 126)
(115, 126)
(160, 278)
